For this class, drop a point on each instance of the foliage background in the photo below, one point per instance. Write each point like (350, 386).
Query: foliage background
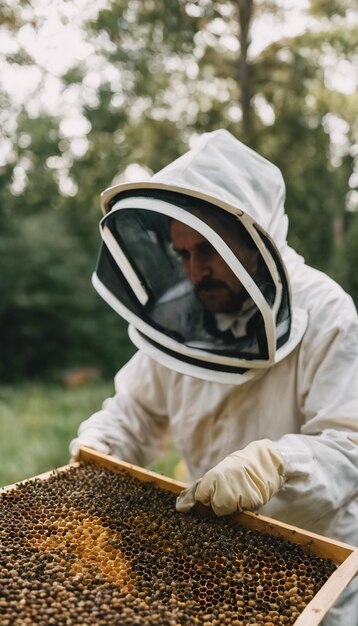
(154, 76)
(38, 421)
(157, 75)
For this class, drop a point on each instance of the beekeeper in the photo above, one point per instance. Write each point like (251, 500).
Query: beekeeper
(246, 356)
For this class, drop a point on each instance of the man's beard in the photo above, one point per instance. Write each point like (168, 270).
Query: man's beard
(226, 300)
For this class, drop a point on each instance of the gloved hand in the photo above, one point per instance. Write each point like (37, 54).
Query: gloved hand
(76, 444)
(245, 479)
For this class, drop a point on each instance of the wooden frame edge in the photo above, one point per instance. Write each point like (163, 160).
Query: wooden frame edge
(87, 454)
(317, 609)
(43, 476)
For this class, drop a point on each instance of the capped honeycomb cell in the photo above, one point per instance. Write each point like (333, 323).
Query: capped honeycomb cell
(91, 546)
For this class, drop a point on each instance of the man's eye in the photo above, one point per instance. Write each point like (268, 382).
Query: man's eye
(183, 255)
(207, 249)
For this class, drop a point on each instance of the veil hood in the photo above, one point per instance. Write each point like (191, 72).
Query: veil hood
(230, 171)
(140, 275)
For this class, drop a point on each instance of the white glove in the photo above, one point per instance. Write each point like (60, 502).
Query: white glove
(76, 444)
(245, 479)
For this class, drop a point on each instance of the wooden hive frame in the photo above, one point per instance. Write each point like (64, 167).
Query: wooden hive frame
(343, 555)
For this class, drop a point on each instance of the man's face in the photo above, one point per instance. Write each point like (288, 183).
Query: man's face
(217, 287)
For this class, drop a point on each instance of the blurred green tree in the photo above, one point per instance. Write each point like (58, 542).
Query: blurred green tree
(186, 68)
(50, 317)
(160, 73)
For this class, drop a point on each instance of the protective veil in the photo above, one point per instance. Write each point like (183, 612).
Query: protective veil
(288, 370)
(144, 277)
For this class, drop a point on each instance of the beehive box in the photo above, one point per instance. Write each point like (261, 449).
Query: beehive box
(99, 542)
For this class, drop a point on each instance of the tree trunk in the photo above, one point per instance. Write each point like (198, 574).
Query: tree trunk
(245, 8)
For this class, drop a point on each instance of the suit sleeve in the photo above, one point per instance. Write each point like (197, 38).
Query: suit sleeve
(322, 460)
(133, 424)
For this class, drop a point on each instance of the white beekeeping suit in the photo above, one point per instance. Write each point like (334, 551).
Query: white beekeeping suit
(285, 392)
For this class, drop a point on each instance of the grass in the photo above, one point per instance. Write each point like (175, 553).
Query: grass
(38, 421)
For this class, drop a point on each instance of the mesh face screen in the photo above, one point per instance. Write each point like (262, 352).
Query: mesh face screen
(191, 294)
(97, 547)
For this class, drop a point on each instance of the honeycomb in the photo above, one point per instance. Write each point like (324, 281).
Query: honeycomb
(92, 546)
